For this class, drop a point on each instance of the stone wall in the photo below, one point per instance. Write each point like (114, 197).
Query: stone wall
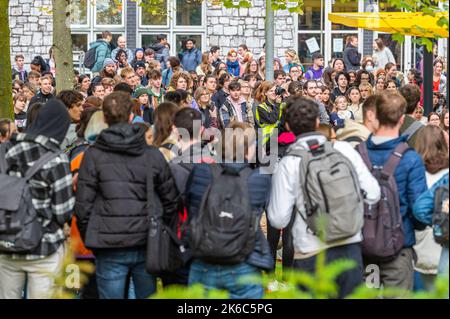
(31, 27)
(229, 28)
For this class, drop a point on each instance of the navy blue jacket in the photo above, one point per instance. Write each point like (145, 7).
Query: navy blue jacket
(259, 188)
(410, 178)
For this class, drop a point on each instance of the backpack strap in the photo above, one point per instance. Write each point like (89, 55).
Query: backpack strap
(47, 157)
(412, 129)
(354, 139)
(391, 165)
(362, 150)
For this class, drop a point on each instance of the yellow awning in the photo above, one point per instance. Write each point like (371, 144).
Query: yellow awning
(407, 23)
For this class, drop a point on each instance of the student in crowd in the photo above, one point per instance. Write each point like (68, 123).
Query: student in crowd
(302, 118)
(410, 180)
(120, 248)
(52, 197)
(242, 183)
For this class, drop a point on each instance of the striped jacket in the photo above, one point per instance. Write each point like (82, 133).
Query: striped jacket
(51, 188)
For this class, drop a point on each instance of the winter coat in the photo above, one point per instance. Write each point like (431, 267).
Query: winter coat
(352, 58)
(383, 57)
(103, 51)
(219, 98)
(410, 178)
(287, 193)
(191, 59)
(51, 188)
(111, 202)
(161, 54)
(40, 98)
(259, 187)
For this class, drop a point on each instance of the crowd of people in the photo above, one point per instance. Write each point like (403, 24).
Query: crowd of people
(120, 153)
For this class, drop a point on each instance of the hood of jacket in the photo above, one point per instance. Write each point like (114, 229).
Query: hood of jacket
(302, 140)
(123, 138)
(98, 43)
(389, 145)
(52, 121)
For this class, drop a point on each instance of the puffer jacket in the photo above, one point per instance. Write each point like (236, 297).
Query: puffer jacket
(424, 205)
(102, 52)
(259, 187)
(111, 203)
(410, 178)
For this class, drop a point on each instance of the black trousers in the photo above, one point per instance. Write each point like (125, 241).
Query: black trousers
(273, 237)
(348, 280)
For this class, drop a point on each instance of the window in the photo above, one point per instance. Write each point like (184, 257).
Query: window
(80, 42)
(153, 18)
(181, 40)
(304, 50)
(338, 6)
(312, 18)
(109, 12)
(178, 19)
(148, 40)
(79, 12)
(189, 12)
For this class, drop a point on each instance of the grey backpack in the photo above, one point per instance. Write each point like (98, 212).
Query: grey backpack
(331, 192)
(20, 230)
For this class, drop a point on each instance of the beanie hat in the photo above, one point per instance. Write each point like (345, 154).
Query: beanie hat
(140, 91)
(107, 62)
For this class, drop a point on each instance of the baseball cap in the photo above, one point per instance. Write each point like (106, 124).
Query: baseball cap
(139, 64)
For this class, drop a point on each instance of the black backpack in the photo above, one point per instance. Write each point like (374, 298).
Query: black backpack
(89, 58)
(383, 230)
(20, 229)
(224, 231)
(440, 215)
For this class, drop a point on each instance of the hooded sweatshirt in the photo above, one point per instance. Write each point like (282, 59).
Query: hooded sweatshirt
(51, 186)
(112, 196)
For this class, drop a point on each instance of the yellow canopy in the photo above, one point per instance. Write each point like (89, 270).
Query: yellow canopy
(407, 23)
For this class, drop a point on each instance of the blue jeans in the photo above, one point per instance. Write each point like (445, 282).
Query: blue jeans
(226, 278)
(112, 270)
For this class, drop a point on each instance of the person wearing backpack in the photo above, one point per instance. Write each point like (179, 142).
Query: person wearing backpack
(121, 182)
(187, 125)
(432, 146)
(318, 178)
(225, 204)
(102, 49)
(36, 250)
(411, 126)
(432, 208)
(401, 174)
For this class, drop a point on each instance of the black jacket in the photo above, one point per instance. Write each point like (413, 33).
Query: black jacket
(111, 203)
(219, 98)
(41, 98)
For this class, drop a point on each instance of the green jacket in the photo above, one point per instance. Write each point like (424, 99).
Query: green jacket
(103, 51)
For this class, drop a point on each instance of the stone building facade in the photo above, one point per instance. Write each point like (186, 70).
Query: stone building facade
(207, 23)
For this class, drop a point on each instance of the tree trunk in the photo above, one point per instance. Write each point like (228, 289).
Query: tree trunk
(62, 42)
(6, 103)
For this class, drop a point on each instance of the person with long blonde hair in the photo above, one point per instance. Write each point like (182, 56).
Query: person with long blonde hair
(292, 59)
(205, 67)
